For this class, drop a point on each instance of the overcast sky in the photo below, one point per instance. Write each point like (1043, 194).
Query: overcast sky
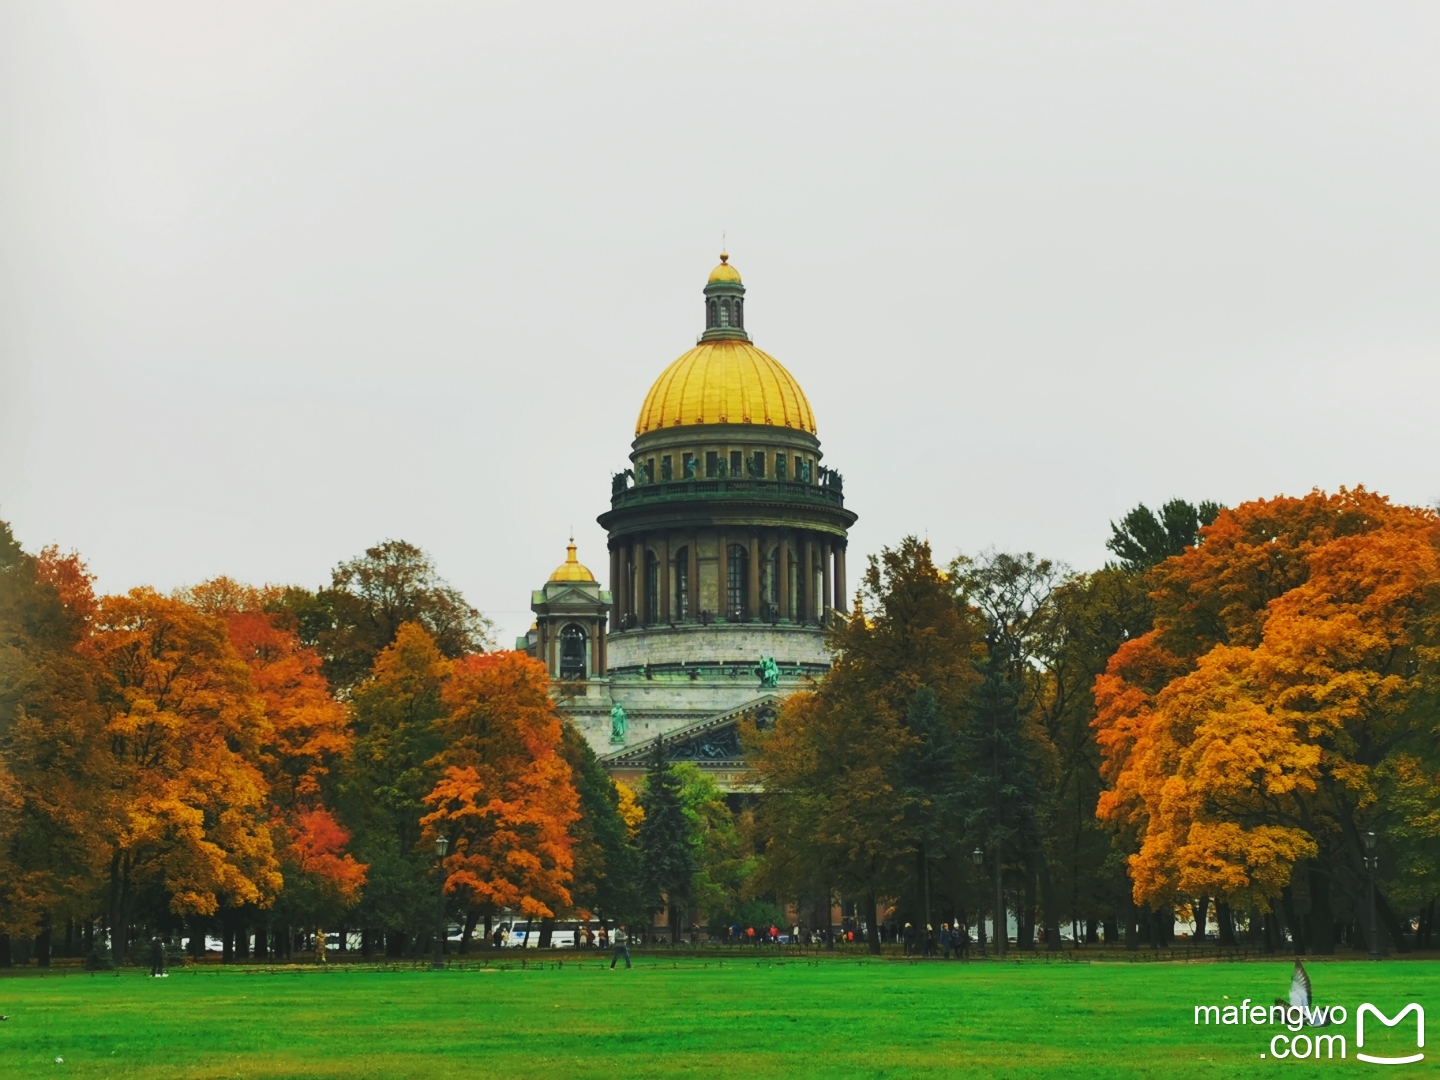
(278, 281)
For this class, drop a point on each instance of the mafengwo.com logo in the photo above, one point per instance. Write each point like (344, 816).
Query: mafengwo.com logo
(1319, 1031)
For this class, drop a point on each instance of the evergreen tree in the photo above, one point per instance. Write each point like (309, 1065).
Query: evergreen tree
(1144, 539)
(998, 794)
(667, 859)
(930, 782)
(607, 864)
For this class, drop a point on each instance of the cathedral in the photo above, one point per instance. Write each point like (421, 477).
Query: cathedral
(727, 542)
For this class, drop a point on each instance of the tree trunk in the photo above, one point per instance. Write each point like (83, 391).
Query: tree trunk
(922, 875)
(1025, 920)
(227, 940)
(1112, 930)
(1225, 923)
(980, 931)
(1391, 922)
(119, 908)
(1201, 912)
(42, 945)
(5, 958)
(1050, 907)
(472, 916)
(197, 937)
(872, 924)
(547, 929)
(489, 932)
(1132, 923)
(69, 938)
(1292, 920)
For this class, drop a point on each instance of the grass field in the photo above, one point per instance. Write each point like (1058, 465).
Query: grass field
(736, 1016)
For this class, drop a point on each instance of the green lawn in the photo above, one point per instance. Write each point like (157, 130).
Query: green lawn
(687, 1016)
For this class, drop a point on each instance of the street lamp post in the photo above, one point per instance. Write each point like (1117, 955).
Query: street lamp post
(442, 845)
(978, 857)
(1372, 863)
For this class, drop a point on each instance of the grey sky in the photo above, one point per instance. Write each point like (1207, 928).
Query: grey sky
(278, 281)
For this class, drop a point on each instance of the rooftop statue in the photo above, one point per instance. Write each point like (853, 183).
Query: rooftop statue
(769, 673)
(618, 724)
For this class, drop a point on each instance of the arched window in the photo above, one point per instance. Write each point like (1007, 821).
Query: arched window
(682, 584)
(725, 312)
(714, 319)
(652, 589)
(737, 575)
(572, 652)
(739, 312)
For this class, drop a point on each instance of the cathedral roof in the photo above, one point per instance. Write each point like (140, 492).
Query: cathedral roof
(571, 569)
(725, 379)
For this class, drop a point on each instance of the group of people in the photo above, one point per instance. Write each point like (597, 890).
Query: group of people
(952, 941)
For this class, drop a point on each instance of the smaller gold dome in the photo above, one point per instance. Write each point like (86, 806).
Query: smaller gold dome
(724, 272)
(571, 569)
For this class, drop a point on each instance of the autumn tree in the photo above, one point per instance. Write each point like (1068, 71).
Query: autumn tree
(309, 739)
(1291, 669)
(185, 802)
(367, 602)
(839, 814)
(505, 798)
(52, 745)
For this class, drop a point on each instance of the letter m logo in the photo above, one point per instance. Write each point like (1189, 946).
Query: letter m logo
(1360, 1032)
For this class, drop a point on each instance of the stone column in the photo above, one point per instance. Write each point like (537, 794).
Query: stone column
(842, 597)
(637, 555)
(664, 577)
(808, 589)
(695, 577)
(724, 601)
(754, 589)
(617, 593)
(827, 600)
(601, 660)
(783, 562)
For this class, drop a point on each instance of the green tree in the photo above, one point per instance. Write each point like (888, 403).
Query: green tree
(999, 794)
(723, 863)
(838, 815)
(1144, 539)
(930, 778)
(390, 771)
(667, 858)
(607, 864)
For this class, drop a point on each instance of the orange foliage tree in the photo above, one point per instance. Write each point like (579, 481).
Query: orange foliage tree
(505, 798)
(308, 736)
(186, 803)
(1293, 661)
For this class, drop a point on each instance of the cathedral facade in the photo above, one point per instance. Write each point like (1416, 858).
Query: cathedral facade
(726, 560)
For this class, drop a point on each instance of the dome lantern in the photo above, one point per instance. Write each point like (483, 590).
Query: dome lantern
(724, 303)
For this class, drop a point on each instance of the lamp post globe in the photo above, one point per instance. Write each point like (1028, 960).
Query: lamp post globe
(978, 857)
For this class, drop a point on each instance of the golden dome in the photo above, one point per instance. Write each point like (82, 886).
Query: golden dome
(724, 272)
(726, 381)
(571, 569)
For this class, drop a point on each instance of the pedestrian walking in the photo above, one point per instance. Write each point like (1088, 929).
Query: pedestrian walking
(157, 958)
(622, 948)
